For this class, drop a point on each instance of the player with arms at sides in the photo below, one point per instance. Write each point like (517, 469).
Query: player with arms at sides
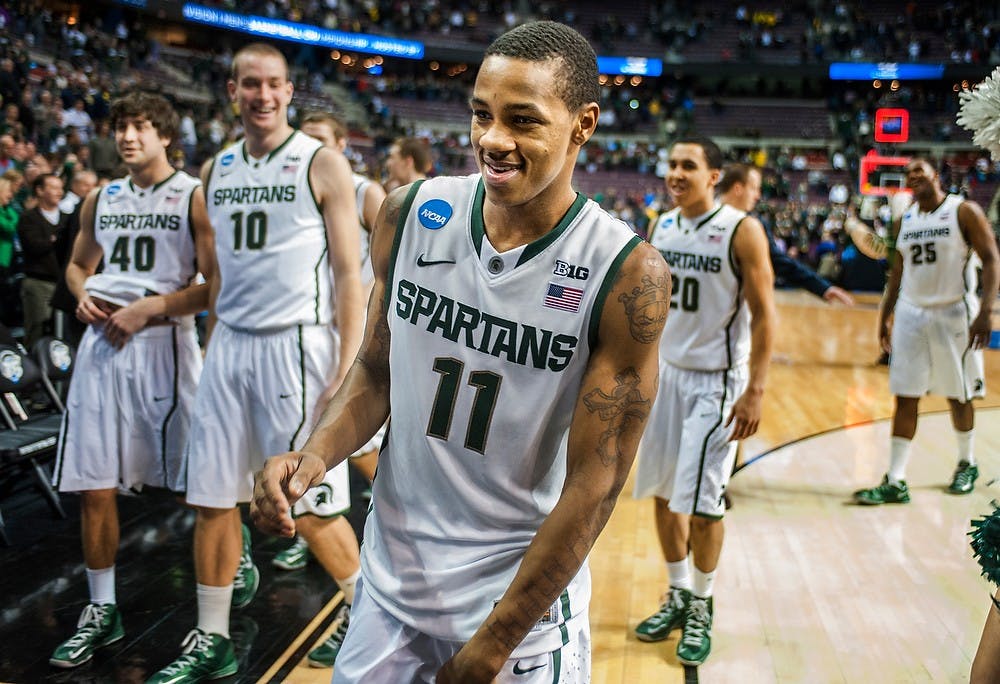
(287, 246)
(512, 333)
(939, 327)
(714, 356)
(337, 533)
(129, 404)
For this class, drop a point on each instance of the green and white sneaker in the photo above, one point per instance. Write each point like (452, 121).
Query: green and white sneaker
(669, 617)
(99, 625)
(887, 492)
(326, 653)
(295, 557)
(205, 656)
(696, 637)
(247, 575)
(964, 478)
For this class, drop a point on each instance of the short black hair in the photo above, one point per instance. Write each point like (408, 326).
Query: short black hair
(713, 155)
(538, 41)
(152, 107)
(39, 183)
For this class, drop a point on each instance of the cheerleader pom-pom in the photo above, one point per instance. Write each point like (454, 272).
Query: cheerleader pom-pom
(979, 112)
(985, 544)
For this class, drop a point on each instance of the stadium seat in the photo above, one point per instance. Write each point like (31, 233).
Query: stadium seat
(29, 436)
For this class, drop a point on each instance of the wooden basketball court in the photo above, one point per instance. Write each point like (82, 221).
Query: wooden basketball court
(810, 588)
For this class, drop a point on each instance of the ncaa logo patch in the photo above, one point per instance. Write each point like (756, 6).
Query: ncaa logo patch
(113, 189)
(10, 366)
(227, 159)
(434, 214)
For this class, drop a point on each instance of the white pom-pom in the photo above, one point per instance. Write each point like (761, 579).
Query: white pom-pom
(979, 112)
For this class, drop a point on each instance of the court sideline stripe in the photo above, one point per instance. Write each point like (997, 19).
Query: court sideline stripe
(860, 423)
(305, 638)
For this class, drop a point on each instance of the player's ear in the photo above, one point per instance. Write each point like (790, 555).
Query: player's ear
(231, 89)
(586, 123)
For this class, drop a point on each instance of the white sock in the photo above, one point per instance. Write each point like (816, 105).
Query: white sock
(213, 608)
(964, 440)
(680, 574)
(102, 585)
(703, 582)
(347, 586)
(899, 454)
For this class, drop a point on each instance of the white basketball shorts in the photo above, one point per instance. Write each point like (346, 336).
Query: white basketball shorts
(931, 355)
(128, 411)
(256, 399)
(685, 456)
(380, 648)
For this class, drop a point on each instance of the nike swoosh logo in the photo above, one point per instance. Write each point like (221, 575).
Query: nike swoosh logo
(284, 396)
(519, 671)
(421, 262)
(160, 398)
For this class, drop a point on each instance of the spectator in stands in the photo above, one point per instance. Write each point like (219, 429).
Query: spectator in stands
(77, 119)
(38, 229)
(103, 152)
(740, 188)
(83, 182)
(409, 160)
(8, 227)
(6, 152)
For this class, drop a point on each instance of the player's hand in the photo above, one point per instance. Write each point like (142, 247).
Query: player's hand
(979, 331)
(127, 321)
(745, 416)
(90, 310)
(465, 668)
(276, 488)
(837, 294)
(885, 336)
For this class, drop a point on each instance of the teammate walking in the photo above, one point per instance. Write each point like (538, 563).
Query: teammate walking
(939, 327)
(282, 207)
(137, 367)
(714, 355)
(507, 311)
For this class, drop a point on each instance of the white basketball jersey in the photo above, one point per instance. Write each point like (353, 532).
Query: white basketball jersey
(708, 327)
(939, 265)
(270, 238)
(488, 351)
(360, 188)
(147, 239)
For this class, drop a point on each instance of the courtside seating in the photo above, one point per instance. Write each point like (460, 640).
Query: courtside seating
(30, 433)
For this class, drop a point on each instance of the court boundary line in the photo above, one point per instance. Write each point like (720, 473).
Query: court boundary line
(308, 634)
(861, 423)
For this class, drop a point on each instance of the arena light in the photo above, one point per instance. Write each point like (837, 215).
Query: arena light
(302, 33)
(885, 71)
(630, 66)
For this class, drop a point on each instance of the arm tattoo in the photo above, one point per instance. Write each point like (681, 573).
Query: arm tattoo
(617, 410)
(646, 308)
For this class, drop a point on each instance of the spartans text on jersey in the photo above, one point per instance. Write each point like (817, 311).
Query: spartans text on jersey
(692, 262)
(518, 343)
(139, 222)
(259, 194)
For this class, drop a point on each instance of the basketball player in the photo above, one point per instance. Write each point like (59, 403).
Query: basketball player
(714, 356)
(282, 207)
(939, 327)
(138, 364)
(409, 161)
(507, 310)
(336, 533)
(739, 187)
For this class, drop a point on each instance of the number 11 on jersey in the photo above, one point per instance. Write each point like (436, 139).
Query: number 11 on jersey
(487, 386)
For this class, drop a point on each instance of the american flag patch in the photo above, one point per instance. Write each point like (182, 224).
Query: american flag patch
(715, 237)
(290, 168)
(563, 298)
(172, 199)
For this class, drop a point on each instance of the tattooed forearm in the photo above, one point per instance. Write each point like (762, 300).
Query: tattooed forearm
(374, 354)
(617, 411)
(646, 308)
